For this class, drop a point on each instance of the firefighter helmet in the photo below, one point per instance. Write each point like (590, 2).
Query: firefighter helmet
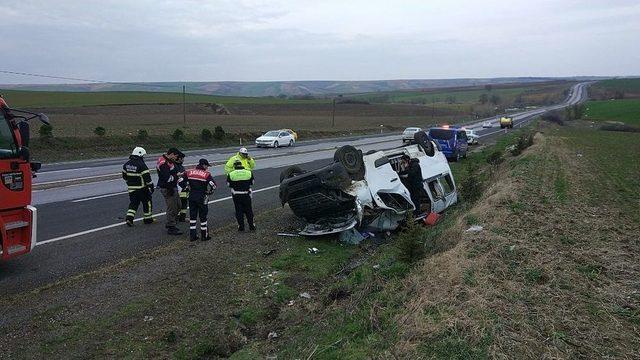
(139, 151)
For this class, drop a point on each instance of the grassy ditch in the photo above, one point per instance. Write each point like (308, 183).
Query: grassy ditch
(551, 274)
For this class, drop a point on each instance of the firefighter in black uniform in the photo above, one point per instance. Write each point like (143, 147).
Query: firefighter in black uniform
(201, 185)
(184, 189)
(240, 181)
(136, 173)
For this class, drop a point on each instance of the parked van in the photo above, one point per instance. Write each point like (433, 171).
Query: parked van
(453, 141)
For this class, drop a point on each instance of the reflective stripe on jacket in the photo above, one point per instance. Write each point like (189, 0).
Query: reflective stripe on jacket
(200, 182)
(240, 180)
(136, 174)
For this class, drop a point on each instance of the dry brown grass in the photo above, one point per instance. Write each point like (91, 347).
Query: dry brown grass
(545, 279)
(162, 119)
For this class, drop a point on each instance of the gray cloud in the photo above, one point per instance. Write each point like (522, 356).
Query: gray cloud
(300, 40)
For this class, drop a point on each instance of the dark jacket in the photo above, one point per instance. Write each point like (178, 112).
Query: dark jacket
(240, 181)
(184, 185)
(200, 183)
(136, 173)
(411, 177)
(167, 173)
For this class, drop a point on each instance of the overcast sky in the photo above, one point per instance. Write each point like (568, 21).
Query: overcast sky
(251, 40)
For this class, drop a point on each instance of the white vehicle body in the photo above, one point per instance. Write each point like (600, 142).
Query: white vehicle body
(378, 201)
(276, 138)
(407, 134)
(472, 136)
(487, 124)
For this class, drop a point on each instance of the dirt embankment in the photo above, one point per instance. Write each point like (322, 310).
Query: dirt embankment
(552, 275)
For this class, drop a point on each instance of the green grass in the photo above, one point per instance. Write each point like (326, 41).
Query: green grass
(31, 99)
(331, 256)
(455, 98)
(626, 85)
(626, 111)
(614, 157)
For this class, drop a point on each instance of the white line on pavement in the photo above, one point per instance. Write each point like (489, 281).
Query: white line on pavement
(91, 231)
(99, 197)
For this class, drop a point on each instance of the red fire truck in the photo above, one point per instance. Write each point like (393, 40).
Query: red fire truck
(18, 219)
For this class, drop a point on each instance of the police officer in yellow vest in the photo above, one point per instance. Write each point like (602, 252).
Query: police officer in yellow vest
(240, 181)
(243, 156)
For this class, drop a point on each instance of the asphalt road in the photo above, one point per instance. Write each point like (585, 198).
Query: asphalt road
(80, 225)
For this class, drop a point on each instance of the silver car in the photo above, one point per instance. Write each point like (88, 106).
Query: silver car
(407, 134)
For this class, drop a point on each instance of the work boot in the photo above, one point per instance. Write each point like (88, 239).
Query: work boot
(129, 222)
(206, 238)
(205, 235)
(182, 218)
(149, 221)
(172, 230)
(240, 228)
(252, 227)
(193, 238)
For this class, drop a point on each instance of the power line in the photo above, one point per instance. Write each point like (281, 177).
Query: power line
(87, 80)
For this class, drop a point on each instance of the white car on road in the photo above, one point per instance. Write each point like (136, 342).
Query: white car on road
(472, 136)
(276, 138)
(487, 124)
(407, 134)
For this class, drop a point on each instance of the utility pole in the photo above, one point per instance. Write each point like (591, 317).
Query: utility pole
(184, 107)
(333, 114)
(433, 107)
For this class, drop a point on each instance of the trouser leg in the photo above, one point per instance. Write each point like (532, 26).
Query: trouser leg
(204, 229)
(193, 220)
(237, 203)
(248, 211)
(134, 202)
(184, 201)
(147, 207)
(415, 199)
(173, 205)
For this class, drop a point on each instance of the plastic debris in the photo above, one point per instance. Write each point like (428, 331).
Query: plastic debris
(512, 247)
(305, 295)
(313, 250)
(268, 252)
(475, 228)
(272, 335)
(148, 318)
(351, 237)
(376, 267)
(432, 219)
(291, 302)
(289, 234)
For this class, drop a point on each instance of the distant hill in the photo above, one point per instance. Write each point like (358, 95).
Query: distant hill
(276, 88)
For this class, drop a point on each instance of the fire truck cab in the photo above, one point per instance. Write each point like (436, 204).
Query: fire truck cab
(18, 219)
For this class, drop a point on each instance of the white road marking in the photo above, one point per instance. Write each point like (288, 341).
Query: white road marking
(91, 231)
(99, 197)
